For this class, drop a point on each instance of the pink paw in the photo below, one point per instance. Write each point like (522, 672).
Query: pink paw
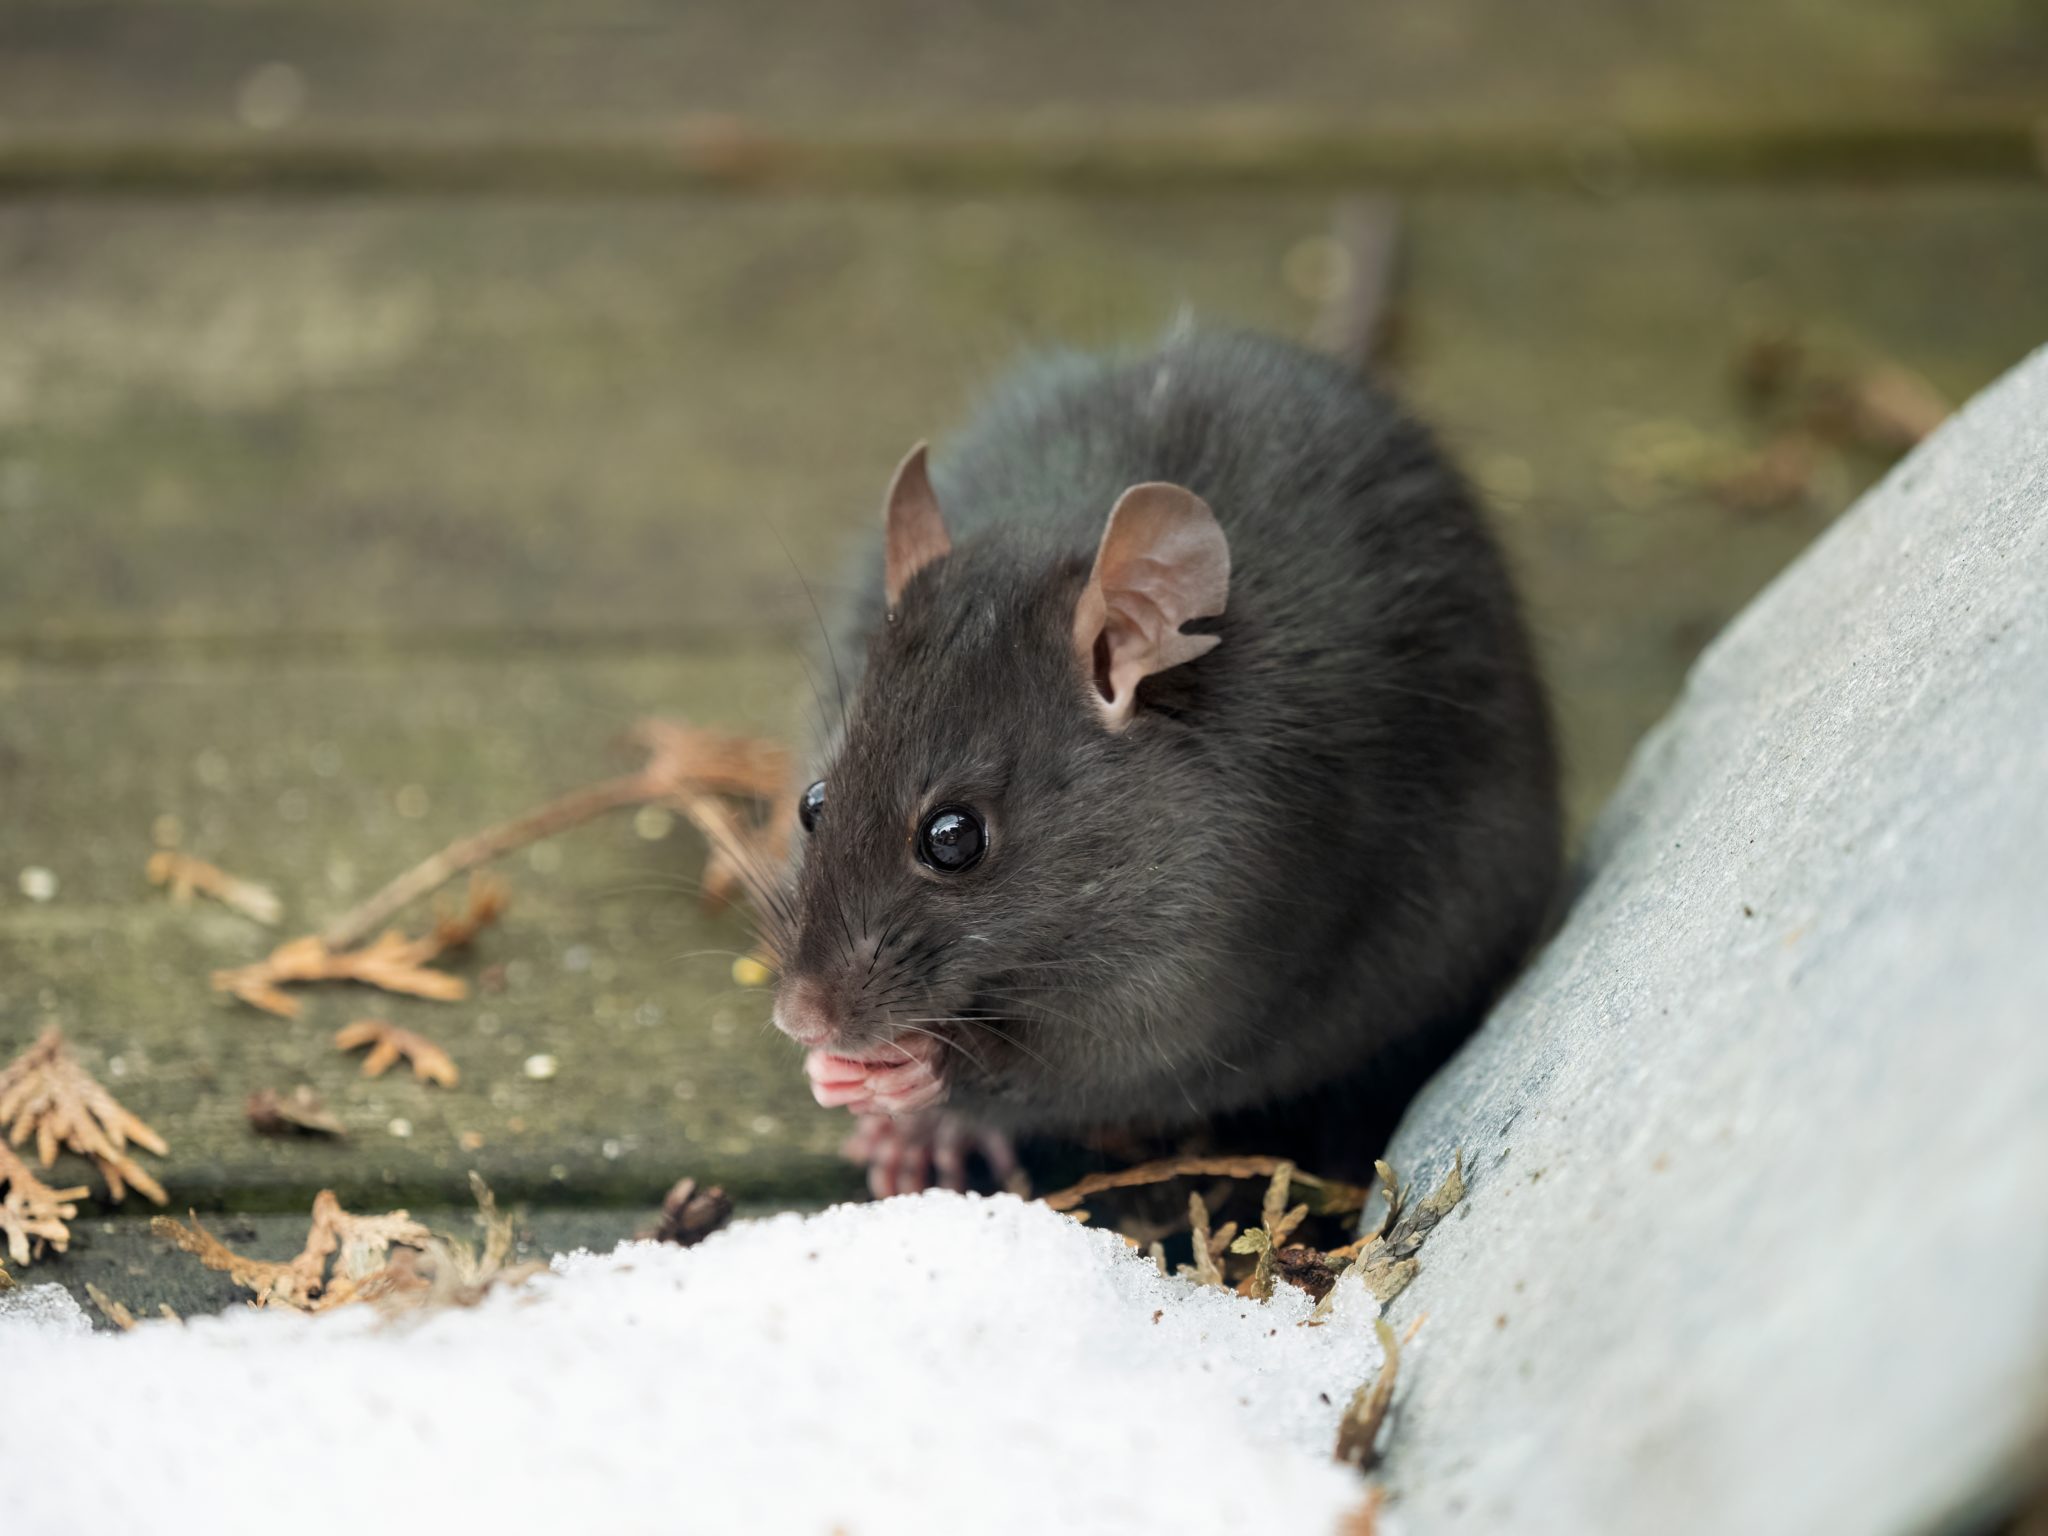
(903, 1077)
(917, 1151)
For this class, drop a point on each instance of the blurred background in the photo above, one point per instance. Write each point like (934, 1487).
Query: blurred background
(398, 397)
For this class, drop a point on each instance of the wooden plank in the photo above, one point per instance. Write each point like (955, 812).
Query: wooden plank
(611, 421)
(556, 70)
(391, 427)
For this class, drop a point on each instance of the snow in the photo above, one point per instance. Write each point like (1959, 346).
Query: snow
(933, 1363)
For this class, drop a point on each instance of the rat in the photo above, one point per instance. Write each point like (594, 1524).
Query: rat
(1188, 758)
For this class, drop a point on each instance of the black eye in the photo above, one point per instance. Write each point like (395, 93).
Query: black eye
(952, 839)
(809, 803)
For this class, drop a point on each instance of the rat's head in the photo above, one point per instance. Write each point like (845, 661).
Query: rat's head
(997, 826)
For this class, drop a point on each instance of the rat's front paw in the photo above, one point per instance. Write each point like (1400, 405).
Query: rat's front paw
(917, 1151)
(901, 1078)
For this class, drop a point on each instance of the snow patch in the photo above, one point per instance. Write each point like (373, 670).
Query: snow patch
(935, 1363)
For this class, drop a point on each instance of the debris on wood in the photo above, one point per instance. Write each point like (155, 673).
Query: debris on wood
(1264, 1242)
(110, 1309)
(1206, 1271)
(389, 1260)
(389, 1044)
(1359, 1429)
(298, 1113)
(187, 877)
(46, 1094)
(1818, 406)
(689, 1214)
(1363, 1519)
(688, 769)
(391, 962)
(1323, 1197)
(1306, 1242)
(33, 1216)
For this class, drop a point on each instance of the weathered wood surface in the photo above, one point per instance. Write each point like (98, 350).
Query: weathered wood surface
(322, 781)
(403, 64)
(349, 429)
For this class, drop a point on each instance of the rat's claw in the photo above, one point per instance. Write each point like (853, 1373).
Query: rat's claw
(923, 1151)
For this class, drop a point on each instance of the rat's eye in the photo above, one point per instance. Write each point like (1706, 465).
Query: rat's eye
(952, 839)
(809, 803)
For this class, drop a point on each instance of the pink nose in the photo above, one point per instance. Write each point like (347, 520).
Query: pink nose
(804, 1012)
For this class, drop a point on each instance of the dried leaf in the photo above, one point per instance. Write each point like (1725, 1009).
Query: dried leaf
(689, 1215)
(46, 1094)
(273, 1283)
(1367, 1410)
(1259, 1284)
(1324, 1197)
(187, 876)
(299, 1112)
(32, 1215)
(1387, 1264)
(389, 1044)
(391, 962)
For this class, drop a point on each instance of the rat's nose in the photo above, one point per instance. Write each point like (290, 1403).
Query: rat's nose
(805, 1013)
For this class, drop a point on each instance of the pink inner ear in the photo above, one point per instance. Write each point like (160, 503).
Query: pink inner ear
(914, 530)
(1163, 561)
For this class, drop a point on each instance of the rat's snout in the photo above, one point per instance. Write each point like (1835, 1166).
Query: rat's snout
(807, 1013)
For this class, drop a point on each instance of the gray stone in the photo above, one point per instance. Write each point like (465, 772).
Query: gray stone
(1757, 1232)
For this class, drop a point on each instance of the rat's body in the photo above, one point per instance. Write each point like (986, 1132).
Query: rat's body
(1264, 867)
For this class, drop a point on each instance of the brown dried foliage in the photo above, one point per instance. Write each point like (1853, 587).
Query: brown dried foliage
(1359, 1430)
(32, 1215)
(298, 1113)
(46, 1094)
(1291, 1241)
(1323, 1197)
(389, 1260)
(389, 1044)
(391, 962)
(187, 877)
(689, 1214)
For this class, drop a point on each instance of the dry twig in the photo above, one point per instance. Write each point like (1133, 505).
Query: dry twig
(1324, 1197)
(187, 876)
(687, 768)
(388, 1044)
(46, 1094)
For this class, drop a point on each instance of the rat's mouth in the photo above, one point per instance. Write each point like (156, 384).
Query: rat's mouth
(898, 1076)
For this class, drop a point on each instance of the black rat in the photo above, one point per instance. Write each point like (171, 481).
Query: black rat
(1190, 758)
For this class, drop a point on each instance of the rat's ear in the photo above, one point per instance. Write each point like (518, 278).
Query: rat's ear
(916, 533)
(1163, 561)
